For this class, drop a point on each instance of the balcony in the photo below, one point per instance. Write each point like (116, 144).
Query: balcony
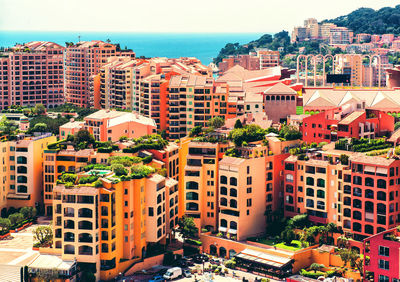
(85, 238)
(85, 225)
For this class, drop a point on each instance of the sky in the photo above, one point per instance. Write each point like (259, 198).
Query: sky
(172, 15)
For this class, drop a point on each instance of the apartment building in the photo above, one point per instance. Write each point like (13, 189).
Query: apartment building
(32, 74)
(193, 101)
(340, 35)
(56, 163)
(257, 182)
(104, 225)
(116, 83)
(107, 125)
(363, 37)
(348, 121)
(21, 172)
(154, 97)
(201, 178)
(358, 196)
(381, 252)
(268, 58)
(83, 60)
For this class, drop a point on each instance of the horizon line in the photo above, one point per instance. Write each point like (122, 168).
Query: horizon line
(156, 32)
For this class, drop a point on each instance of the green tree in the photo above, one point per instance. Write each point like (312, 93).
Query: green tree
(5, 224)
(290, 132)
(16, 218)
(119, 169)
(238, 124)
(351, 256)
(68, 177)
(344, 159)
(249, 133)
(288, 236)
(300, 221)
(39, 127)
(43, 234)
(83, 139)
(216, 122)
(316, 267)
(187, 227)
(28, 212)
(196, 131)
(397, 125)
(39, 109)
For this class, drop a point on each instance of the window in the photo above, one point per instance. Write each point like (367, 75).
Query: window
(249, 202)
(383, 278)
(384, 264)
(384, 251)
(249, 190)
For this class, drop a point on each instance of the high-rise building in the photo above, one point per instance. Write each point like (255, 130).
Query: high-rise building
(32, 74)
(193, 101)
(82, 61)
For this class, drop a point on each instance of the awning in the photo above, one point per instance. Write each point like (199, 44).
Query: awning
(264, 258)
(381, 170)
(222, 229)
(368, 168)
(232, 231)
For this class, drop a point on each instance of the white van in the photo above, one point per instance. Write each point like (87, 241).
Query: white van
(173, 273)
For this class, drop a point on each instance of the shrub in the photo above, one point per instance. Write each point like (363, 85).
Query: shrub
(230, 263)
(311, 274)
(16, 218)
(28, 212)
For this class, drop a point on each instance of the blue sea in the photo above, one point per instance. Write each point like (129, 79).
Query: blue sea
(204, 46)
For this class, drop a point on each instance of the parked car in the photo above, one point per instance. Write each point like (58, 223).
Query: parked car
(187, 273)
(157, 278)
(215, 261)
(173, 273)
(200, 258)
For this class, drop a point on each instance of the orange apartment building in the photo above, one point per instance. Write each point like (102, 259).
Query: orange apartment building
(83, 60)
(360, 197)
(193, 101)
(257, 183)
(110, 125)
(109, 226)
(21, 171)
(201, 178)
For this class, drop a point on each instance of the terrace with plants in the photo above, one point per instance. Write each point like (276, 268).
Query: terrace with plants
(250, 140)
(118, 168)
(362, 145)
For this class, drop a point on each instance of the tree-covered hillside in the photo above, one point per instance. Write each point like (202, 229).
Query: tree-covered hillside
(367, 20)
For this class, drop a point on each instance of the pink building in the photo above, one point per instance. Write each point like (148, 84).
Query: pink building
(375, 38)
(382, 256)
(70, 128)
(387, 38)
(82, 61)
(32, 74)
(108, 125)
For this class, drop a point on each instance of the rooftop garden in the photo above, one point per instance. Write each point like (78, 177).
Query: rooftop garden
(146, 142)
(361, 145)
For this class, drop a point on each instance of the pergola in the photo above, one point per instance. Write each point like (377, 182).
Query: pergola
(264, 263)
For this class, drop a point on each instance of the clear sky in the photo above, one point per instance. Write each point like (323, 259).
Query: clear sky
(172, 15)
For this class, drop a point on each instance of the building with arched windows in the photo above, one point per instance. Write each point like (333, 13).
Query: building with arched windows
(21, 174)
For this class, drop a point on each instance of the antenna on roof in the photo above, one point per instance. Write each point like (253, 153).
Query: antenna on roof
(79, 38)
